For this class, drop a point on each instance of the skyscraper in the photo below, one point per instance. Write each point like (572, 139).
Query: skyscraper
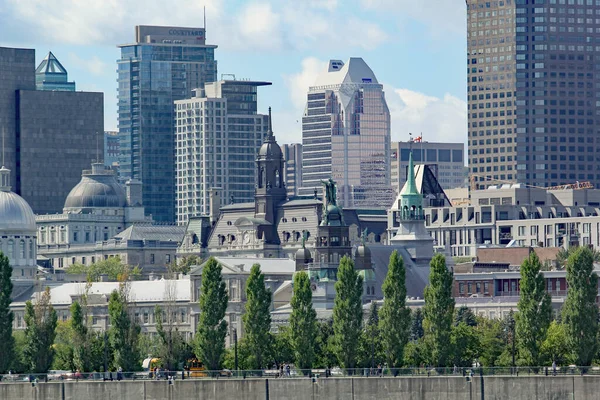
(346, 135)
(163, 65)
(533, 98)
(292, 154)
(51, 75)
(218, 135)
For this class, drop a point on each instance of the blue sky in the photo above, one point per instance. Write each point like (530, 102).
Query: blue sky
(415, 48)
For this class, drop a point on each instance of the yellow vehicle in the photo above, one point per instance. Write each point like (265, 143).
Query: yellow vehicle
(150, 363)
(195, 368)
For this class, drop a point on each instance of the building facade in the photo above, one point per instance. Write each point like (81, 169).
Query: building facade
(346, 135)
(111, 149)
(292, 153)
(445, 160)
(37, 125)
(218, 135)
(51, 75)
(163, 65)
(532, 89)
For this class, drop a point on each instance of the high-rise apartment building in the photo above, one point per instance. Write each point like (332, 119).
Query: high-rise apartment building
(346, 135)
(49, 135)
(445, 160)
(112, 149)
(163, 65)
(292, 154)
(218, 135)
(533, 97)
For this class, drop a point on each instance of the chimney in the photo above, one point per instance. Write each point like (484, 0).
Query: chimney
(133, 189)
(214, 204)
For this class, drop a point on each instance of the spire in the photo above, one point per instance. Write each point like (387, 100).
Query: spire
(411, 187)
(270, 131)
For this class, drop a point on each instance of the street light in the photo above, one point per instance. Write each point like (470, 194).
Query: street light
(511, 323)
(235, 349)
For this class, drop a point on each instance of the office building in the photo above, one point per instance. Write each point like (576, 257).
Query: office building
(111, 149)
(38, 125)
(164, 64)
(292, 154)
(218, 135)
(445, 160)
(51, 75)
(533, 73)
(346, 135)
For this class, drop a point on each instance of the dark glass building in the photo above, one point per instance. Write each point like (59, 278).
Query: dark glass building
(533, 91)
(163, 65)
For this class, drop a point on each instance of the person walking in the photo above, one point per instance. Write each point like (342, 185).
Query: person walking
(554, 367)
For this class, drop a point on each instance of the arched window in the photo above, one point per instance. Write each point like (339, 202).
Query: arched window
(10, 249)
(368, 291)
(31, 249)
(22, 248)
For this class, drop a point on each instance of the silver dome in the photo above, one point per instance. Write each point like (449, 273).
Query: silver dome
(15, 214)
(98, 188)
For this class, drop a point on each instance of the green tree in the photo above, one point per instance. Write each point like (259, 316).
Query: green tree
(416, 325)
(492, 344)
(19, 364)
(173, 349)
(371, 349)
(6, 316)
(466, 315)
(465, 344)
(325, 346)
(535, 311)
(303, 322)
(564, 254)
(124, 332)
(80, 338)
(347, 313)
(257, 318)
(63, 347)
(555, 347)
(414, 354)
(580, 313)
(212, 327)
(184, 265)
(40, 331)
(438, 311)
(112, 267)
(283, 350)
(394, 315)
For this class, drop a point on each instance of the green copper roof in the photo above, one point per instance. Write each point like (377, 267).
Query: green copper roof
(411, 186)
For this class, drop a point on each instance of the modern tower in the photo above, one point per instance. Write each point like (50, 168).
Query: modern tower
(51, 75)
(163, 65)
(346, 135)
(292, 153)
(533, 78)
(218, 135)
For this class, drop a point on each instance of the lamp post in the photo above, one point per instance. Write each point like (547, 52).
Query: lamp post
(512, 330)
(235, 349)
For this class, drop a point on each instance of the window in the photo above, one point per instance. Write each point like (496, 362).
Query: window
(151, 258)
(461, 288)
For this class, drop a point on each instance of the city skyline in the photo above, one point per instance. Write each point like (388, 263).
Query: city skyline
(401, 41)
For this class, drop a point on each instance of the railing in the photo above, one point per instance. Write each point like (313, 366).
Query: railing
(292, 373)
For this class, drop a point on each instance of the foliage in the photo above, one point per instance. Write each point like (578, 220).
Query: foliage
(257, 318)
(124, 332)
(395, 316)
(19, 364)
(112, 267)
(371, 346)
(173, 349)
(212, 328)
(466, 315)
(325, 346)
(555, 347)
(535, 311)
(185, 264)
(416, 325)
(303, 322)
(414, 354)
(580, 313)
(63, 347)
(465, 344)
(347, 313)
(40, 332)
(6, 316)
(80, 338)
(283, 350)
(438, 311)
(492, 344)
(563, 255)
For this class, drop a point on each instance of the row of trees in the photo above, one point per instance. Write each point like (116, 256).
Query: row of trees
(438, 335)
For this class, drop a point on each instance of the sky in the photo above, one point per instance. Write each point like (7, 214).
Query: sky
(415, 48)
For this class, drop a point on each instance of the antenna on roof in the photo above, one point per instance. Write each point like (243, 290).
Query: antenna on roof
(204, 22)
(3, 134)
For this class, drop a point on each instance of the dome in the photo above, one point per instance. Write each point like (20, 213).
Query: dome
(15, 214)
(303, 254)
(271, 150)
(97, 188)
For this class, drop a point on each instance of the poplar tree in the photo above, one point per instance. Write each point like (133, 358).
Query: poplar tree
(580, 313)
(212, 327)
(7, 342)
(535, 311)
(81, 338)
(438, 312)
(257, 318)
(347, 313)
(394, 323)
(124, 332)
(40, 331)
(303, 322)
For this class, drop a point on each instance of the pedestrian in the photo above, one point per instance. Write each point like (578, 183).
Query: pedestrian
(287, 369)
(554, 367)
(119, 373)
(281, 370)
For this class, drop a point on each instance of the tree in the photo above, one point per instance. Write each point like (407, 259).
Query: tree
(124, 332)
(63, 347)
(580, 313)
(492, 344)
(257, 318)
(283, 350)
(347, 313)
(303, 322)
(466, 315)
(40, 331)
(184, 265)
(6, 316)
(173, 349)
(564, 254)
(416, 325)
(112, 267)
(371, 349)
(80, 338)
(325, 346)
(438, 311)
(465, 344)
(212, 328)
(535, 311)
(555, 347)
(394, 315)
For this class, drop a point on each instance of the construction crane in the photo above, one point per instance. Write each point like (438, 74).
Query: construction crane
(575, 186)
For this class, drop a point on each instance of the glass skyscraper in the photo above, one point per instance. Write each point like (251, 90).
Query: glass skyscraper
(346, 136)
(533, 92)
(163, 65)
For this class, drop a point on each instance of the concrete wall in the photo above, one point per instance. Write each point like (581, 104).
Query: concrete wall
(408, 388)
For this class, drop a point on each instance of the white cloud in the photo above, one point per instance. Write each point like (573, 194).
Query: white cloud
(438, 119)
(94, 65)
(299, 83)
(259, 24)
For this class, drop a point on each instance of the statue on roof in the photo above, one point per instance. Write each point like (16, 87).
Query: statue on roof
(330, 192)
(363, 237)
(304, 238)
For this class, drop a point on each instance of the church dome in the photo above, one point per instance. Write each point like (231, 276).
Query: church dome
(270, 149)
(97, 188)
(15, 214)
